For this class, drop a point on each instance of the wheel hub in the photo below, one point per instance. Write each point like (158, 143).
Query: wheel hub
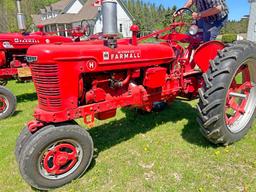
(240, 98)
(3, 104)
(60, 159)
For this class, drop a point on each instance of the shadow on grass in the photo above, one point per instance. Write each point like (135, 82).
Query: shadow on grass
(17, 112)
(26, 97)
(118, 131)
(115, 132)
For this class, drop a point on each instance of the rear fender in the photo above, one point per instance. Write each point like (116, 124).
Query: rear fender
(206, 52)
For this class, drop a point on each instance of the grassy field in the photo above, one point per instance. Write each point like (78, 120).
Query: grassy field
(153, 152)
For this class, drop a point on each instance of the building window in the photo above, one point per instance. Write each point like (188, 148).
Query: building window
(54, 28)
(69, 29)
(47, 28)
(61, 29)
(43, 17)
(121, 28)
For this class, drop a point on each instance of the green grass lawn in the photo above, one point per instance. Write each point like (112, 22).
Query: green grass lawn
(153, 152)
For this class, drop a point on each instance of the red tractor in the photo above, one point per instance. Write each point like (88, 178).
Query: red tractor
(92, 79)
(13, 64)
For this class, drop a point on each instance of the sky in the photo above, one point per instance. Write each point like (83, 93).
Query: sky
(237, 8)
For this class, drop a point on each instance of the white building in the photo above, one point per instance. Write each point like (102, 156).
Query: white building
(64, 15)
(251, 35)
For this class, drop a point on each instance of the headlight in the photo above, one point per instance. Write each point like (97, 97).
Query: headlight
(7, 45)
(193, 30)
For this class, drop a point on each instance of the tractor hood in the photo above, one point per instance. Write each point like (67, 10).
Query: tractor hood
(105, 58)
(23, 41)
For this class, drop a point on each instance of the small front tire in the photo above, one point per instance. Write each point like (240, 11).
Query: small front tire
(23, 138)
(8, 103)
(55, 156)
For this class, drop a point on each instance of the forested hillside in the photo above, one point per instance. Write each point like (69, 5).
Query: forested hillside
(8, 12)
(147, 15)
(150, 17)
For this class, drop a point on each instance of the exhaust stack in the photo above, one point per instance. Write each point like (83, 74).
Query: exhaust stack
(109, 14)
(20, 17)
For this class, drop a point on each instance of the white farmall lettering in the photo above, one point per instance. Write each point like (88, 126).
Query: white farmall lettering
(17, 40)
(122, 55)
(91, 65)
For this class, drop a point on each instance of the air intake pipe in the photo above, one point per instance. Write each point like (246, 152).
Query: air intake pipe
(109, 14)
(20, 17)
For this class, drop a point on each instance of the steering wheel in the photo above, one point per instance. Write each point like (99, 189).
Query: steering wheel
(183, 15)
(85, 27)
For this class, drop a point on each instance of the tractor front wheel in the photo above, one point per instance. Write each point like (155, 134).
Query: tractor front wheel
(3, 82)
(8, 103)
(228, 99)
(55, 156)
(24, 136)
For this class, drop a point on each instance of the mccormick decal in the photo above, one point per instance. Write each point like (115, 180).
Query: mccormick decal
(17, 40)
(121, 55)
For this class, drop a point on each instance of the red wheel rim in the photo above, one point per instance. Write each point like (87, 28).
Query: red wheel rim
(237, 99)
(60, 159)
(3, 104)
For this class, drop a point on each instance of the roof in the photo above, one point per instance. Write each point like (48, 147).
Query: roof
(43, 11)
(36, 19)
(64, 5)
(60, 5)
(88, 12)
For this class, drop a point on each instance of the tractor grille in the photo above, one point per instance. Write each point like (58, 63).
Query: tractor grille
(46, 80)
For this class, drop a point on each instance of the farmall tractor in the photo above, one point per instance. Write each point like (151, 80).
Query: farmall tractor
(90, 80)
(13, 63)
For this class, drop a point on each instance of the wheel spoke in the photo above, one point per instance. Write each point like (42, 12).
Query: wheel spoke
(72, 156)
(60, 158)
(238, 95)
(233, 94)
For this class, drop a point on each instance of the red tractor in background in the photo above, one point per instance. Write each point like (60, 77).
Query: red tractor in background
(95, 78)
(13, 64)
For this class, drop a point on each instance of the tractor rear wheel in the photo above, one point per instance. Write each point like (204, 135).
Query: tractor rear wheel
(8, 103)
(228, 99)
(55, 155)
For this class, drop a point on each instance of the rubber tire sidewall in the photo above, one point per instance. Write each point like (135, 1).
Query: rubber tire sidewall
(12, 102)
(30, 154)
(21, 141)
(225, 135)
(229, 136)
(25, 135)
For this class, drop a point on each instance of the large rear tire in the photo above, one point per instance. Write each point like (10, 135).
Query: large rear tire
(8, 103)
(228, 99)
(55, 156)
